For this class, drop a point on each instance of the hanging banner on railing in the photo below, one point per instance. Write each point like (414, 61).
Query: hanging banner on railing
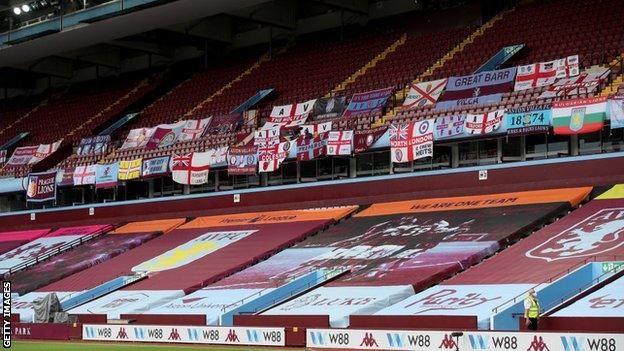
(476, 89)
(615, 111)
(194, 129)
(327, 108)
(84, 175)
(528, 119)
(137, 138)
(106, 175)
(165, 135)
(95, 145)
(579, 116)
(449, 126)
(41, 187)
(155, 167)
(291, 115)
(368, 102)
(364, 139)
(242, 160)
(129, 170)
(411, 141)
(424, 94)
(340, 143)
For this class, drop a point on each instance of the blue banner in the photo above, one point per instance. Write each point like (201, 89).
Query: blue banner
(155, 167)
(106, 175)
(528, 119)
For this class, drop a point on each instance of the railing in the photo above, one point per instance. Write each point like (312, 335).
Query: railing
(65, 247)
(563, 273)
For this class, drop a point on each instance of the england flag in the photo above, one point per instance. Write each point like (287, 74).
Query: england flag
(484, 123)
(340, 143)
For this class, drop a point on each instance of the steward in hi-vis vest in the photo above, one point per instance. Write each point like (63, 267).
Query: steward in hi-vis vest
(531, 310)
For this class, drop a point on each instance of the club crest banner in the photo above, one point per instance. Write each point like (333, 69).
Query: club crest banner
(364, 139)
(165, 135)
(106, 175)
(579, 116)
(224, 124)
(411, 141)
(41, 187)
(328, 108)
(424, 94)
(368, 102)
(242, 160)
(155, 167)
(528, 119)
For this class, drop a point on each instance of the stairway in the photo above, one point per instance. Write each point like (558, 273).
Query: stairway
(372, 63)
(615, 84)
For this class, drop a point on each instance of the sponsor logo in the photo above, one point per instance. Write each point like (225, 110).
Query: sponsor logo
(369, 340)
(538, 344)
(478, 342)
(232, 337)
(21, 331)
(120, 302)
(174, 335)
(599, 233)
(121, 334)
(572, 343)
(448, 343)
(449, 299)
(317, 338)
(319, 301)
(139, 333)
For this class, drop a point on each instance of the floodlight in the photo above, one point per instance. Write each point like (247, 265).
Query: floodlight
(17, 10)
(25, 8)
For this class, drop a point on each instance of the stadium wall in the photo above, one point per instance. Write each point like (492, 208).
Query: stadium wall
(551, 173)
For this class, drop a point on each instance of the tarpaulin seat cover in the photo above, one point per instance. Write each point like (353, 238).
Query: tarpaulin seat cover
(608, 301)
(160, 225)
(11, 240)
(592, 232)
(195, 254)
(394, 249)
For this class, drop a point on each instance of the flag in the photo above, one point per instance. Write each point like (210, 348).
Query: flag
(242, 160)
(250, 118)
(327, 108)
(291, 115)
(41, 187)
(411, 141)
(364, 139)
(340, 143)
(579, 116)
(477, 89)
(368, 102)
(84, 175)
(483, 123)
(129, 170)
(267, 136)
(424, 93)
(270, 157)
(3, 155)
(165, 135)
(309, 149)
(106, 175)
(316, 128)
(43, 151)
(448, 126)
(224, 124)
(217, 157)
(536, 75)
(65, 177)
(193, 129)
(22, 155)
(528, 119)
(568, 67)
(615, 111)
(137, 138)
(95, 145)
(586, 82)
(190, 169)
(155, 167)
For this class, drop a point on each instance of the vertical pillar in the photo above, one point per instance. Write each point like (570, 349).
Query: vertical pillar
(523, 148)
(454, 155)
(150, 188)
(264, 179)
(499, 150)
(216, 185)
(574, 145)
(298, 176)
(186, 189)
(352, 167)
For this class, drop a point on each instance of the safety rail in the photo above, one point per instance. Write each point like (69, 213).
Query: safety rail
(563, 273)
(65, 247)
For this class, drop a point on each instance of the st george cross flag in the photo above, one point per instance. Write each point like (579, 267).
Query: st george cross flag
(579, 116)
(270, 157)
(545, 73)
(340, 143)
(484, 123)
(309, 149)
(615, 111)
(137, 138)
(84, 175)
(448, 126)
(411, 141)
(291, 115)
(43, 151)
(106, 175)
(424, 93)
(190, 169)
(194, 129)
(165, 135)
(267, 137)
(316, 128)
(586, 82)
(568, 67)
(129, 170)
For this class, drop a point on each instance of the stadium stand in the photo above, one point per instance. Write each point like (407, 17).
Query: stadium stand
(11, 240)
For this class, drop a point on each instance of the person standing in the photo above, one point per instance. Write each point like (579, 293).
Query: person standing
(531, 310)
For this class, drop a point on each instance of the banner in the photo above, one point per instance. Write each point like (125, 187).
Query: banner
(250, 118)
(267, 137)
(368, 102)
(424, 94)
(193, 129)
(224, 124)
(155, 167)
(615, 111)
(217, 157)
(449, 126)
(586, 82)
(373, 339)
(411, 141)
(483, 123)
(165, 135)
(84, 175)
(3, 155)
(340, 143)
(528, 119)
(41, 187)
(43, 151)
(545, 73)
(316, 128)
(259, 336)
(479, 88)
(579, 116)
(137, 138)
(311, 148)
(129, 170)
(190, 169)
(327, 108)
(363, 139)
(22, 155)
(95, 145)
(65, 176)
(106, 175)
(242, 160)
(291, 115)
(271, 156)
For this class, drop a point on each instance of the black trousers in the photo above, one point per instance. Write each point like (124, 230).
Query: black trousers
(532, 324)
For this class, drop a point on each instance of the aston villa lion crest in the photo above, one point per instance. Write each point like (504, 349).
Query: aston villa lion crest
(577, 119)
(599, 233)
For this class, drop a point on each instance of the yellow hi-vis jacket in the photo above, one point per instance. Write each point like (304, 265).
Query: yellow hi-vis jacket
(534, 309)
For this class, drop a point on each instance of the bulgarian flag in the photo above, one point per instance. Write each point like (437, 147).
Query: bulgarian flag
(579, 116)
